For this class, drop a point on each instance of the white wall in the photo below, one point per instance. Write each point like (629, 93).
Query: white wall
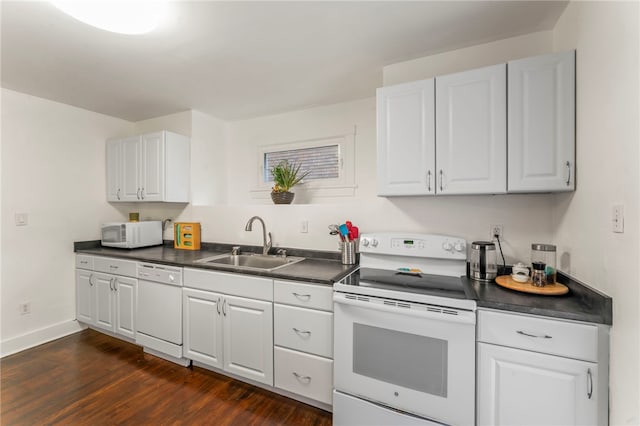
(53, 170)
(606, 36)
(469, 57)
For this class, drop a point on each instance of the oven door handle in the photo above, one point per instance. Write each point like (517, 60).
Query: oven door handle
(444, 314)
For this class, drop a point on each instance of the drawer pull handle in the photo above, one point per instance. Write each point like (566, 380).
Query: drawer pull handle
(218, 306)
(113, 267)
(304, 379)
(303, 297)
(84, 262)
(589, 384)
(544, 336)
(224, 305)
(308, 333)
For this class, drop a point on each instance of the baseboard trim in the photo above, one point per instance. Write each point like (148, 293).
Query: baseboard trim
(38, 337)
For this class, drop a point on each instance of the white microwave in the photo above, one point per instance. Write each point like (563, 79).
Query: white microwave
(132, 234)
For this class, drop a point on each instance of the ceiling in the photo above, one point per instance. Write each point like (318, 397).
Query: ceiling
(237, 60)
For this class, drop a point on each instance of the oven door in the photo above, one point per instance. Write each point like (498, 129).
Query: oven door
(412, 357)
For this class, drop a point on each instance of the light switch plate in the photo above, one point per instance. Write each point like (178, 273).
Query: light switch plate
(617, 219)
(22, 219)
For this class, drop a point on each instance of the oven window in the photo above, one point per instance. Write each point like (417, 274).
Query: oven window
(403, 359)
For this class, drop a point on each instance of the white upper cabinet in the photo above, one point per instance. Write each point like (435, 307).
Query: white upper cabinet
(471, 131)
(113, 154)
(406, 150)
(130, 169)
(150, 167)
(153, 167)
(542, 123)
(504, 128)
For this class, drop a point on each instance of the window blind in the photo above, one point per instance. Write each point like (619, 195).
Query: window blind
(323, 162)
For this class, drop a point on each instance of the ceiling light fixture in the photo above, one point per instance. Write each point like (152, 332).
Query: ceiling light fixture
(118, 16)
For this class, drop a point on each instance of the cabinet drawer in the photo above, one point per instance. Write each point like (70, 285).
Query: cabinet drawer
(305, 295)
(228, 283)
(304, 374)
(573, 340)
(109, 265)
(304, 329)
(84, 262)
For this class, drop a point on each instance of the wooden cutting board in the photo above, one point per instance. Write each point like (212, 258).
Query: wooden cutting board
(556, 289)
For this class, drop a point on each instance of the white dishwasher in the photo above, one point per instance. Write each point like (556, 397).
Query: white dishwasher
(159, 313)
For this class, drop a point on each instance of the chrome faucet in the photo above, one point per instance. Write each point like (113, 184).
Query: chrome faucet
(266, 245)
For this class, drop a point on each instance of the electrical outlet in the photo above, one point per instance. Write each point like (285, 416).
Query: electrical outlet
(25, 308)
(496, 230)
(304, 226)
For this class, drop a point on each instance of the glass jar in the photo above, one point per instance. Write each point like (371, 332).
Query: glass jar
(545, 253)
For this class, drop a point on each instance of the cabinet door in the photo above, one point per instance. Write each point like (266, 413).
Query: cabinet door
(130, 173)
(85, 296)
(114, 158)
(517, 387)
(104, 300)
(202, 326)
(248, 338)
(542, 123)
(405, 128)
(125, 305)
(471, 145)
(153, 167)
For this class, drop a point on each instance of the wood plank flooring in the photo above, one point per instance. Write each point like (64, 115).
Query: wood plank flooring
(89, 378)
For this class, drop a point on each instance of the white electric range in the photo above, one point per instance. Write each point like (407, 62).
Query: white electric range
(404, 334)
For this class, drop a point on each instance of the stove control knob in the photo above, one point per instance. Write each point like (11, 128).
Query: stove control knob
(365, 242)
(171, 278)
(447, 246)
(458, 247)
(374, 243)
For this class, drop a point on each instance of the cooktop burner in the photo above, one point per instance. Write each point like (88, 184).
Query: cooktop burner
(409, 282)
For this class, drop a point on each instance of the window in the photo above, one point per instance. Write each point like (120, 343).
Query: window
(322, 162)
(330, 162)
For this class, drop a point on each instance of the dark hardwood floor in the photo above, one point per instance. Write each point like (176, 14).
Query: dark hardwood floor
(92, 379)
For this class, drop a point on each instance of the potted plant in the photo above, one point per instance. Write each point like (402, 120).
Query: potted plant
(285, 176)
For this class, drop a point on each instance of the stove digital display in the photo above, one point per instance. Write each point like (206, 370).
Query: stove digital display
(408, 242)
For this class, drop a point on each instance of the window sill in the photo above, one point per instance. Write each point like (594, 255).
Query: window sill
(310, 192)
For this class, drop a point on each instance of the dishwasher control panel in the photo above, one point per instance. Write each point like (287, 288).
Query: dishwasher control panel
(160, 273)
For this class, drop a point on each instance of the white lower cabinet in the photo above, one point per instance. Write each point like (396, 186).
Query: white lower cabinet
(303, 339)
(202, 326)
(539, 371)
(229, 332)
(304, 374)
(518, 387)
(105, 300)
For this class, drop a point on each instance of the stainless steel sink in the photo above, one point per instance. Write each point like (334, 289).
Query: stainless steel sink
(251, 261)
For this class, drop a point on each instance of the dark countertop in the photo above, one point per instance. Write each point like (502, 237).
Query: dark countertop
(318, 267)
(582, 303)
